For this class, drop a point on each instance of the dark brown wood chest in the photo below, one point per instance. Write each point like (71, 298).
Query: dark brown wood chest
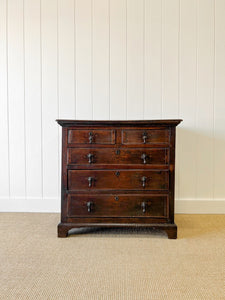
(118, 173)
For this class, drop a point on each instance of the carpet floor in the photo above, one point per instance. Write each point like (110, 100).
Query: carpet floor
(111, 263)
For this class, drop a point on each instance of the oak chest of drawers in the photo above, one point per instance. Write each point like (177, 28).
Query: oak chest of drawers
(118, 173)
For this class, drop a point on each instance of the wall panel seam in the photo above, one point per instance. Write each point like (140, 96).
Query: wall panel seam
(57, 89)
(196, 97)
(126, 63)
(162, 54)
(179, 11)
(143, 61)
(214, 78)
(75, 64)
(109, 20)
(41, 102)
(92, 20)
(24, 106)
(178, 103)
(7, 80)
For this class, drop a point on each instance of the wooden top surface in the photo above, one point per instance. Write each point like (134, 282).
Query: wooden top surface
(166, 122)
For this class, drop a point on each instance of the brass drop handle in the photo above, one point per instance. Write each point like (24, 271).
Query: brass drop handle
(144, 157)
(117, 173)
(91, 136)
(90, 158)
(143, 179)
(143, 206)
(89, 205)
(144, 136)
(90, 180)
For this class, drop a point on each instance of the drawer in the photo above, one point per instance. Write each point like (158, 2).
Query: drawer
(118, 179)
(145, 136)
(135, 205)
(92, 136)
(146, 156)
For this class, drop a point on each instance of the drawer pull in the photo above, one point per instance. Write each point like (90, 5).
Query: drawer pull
(143, 179)
(90, 180)
(117, 173)
(89, 206)
(144, 157)
(143, 206)
(91, 136)
(90, 158)
(144, 136)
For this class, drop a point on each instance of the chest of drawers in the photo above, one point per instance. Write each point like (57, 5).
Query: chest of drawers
(118, 173)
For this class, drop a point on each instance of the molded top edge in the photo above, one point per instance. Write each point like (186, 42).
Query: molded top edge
(166, 122)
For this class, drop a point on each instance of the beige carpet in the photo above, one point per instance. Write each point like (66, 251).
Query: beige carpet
(111, 263)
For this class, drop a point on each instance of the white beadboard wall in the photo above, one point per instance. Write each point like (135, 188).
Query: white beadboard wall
(110, 59)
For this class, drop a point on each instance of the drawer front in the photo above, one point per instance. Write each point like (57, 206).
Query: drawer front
(117, 179)
(95, 136)
(93, 156)
(117, 205)
(142, 136)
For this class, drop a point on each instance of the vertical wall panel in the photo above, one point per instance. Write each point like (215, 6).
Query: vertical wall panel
(170, 68)
(188, 76)
(117, 59)
(49, 98)
(135, 59)
(33, 98)
(204, 105)
(16, 99)
(219, 108)
(170, 56)
(66, 67)
(83, 34)
(4, 149)
(153, 67)
(100, 74)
